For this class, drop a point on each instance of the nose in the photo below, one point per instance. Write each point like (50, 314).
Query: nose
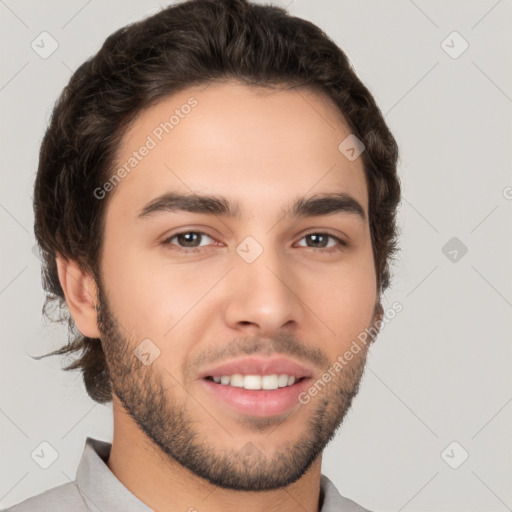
(262, 299)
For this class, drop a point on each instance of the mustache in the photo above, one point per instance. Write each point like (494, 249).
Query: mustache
(285, 344)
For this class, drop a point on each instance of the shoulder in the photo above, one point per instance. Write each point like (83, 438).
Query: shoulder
(62, 498)
(334, 502)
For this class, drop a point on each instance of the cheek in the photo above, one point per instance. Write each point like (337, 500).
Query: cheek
(344, 299)
(148, 294)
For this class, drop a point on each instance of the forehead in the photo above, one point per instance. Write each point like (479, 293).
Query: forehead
(252, 144)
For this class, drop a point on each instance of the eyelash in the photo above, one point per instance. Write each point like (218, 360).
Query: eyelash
(341, 243)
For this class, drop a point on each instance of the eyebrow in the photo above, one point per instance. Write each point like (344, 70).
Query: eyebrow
(319, 204)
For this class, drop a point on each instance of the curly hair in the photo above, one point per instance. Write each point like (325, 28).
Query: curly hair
(191, 43)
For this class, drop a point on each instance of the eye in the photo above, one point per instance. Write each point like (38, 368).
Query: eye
(188, 239)
(321, 241)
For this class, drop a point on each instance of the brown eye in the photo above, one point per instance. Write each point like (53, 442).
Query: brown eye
(318, 240)
(323, 241)
(187, 239)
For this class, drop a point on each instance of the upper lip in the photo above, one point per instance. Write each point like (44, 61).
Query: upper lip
(258, 366)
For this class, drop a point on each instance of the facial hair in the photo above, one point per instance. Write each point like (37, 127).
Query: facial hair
(159, 405)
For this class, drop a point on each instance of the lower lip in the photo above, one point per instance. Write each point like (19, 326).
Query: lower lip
(260, 403)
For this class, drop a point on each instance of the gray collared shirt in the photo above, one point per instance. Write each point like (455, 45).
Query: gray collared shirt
(96, 489)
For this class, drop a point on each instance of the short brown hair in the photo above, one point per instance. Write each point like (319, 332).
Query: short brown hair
(192, 43)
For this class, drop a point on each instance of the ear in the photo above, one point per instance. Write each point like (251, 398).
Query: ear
(80, 290)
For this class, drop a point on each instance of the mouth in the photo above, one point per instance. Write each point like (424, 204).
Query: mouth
(256, 395)
(257, 366)
(256, 385)
(256, 382)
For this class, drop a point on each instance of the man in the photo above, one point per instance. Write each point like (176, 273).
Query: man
(215, 203)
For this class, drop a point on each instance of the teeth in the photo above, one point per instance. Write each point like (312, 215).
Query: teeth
(253, 382)
(282, 380)
(256, 381)
(237, 380)
(270, 382)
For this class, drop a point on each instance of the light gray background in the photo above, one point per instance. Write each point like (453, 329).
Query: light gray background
(439, 372)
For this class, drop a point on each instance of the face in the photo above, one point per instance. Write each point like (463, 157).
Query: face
(241, 233)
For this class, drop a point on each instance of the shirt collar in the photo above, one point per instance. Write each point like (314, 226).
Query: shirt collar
(99, 487)
(102, 491)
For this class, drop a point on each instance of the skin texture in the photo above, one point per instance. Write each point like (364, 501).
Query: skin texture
(175, 445)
